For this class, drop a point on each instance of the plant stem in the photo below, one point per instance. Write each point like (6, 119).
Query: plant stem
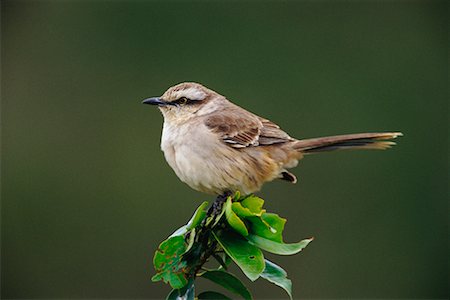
(208, 246)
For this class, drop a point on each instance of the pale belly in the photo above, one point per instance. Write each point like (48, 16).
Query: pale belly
(208, 165)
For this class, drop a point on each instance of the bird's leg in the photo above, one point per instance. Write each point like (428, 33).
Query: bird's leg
(216, 207)
(218, 203)
(208, 245)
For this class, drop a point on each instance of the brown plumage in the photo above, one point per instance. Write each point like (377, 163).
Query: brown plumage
(245, 129)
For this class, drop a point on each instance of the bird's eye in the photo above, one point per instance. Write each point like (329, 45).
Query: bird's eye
(183, 100)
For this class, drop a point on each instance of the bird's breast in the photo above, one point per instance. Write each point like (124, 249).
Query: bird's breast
(191, 151)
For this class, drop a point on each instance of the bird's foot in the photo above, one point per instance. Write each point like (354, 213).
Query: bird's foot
(220, 200)
(216, 207)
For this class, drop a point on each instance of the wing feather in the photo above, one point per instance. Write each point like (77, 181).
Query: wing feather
(240, 128)
(271, 133)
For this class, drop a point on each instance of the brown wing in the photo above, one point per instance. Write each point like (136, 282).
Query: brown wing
(241, 129)
(238, 131)
(271, 133)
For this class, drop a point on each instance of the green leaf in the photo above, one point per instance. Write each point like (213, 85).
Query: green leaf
(228, 281)
(180, 231)
(249, 207)
(199, 215)
(241, 211)
(226, 261)
(249, 258)
(254, 204)
(209, 295)
(168, 262)
(269, 226)
(185, 293)
(219, 259)
(278, 276)
(235, 222)
(278, 248)
(173, 295)
(245, 212)
(196, 219)
(190, 240)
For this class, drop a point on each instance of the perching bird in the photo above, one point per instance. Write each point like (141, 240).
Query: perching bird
(217, 147)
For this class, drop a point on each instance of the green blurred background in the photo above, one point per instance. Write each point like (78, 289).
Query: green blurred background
(87, 195)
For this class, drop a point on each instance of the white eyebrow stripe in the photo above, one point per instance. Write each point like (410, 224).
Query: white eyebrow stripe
(191, 93)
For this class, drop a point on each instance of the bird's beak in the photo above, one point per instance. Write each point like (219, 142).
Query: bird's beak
(155, 101)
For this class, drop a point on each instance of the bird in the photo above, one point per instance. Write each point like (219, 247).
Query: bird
(219, 148)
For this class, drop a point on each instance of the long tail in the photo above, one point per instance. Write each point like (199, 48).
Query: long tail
(348, 141)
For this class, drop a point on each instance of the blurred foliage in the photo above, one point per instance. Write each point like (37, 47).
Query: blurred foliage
(84, 185)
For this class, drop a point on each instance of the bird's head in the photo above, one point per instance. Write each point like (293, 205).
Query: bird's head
(183, 101)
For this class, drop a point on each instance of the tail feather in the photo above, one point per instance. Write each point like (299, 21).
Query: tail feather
(348, 141)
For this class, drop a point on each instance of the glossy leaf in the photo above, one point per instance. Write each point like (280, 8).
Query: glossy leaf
(249, 207)
(196, 219)
(168, 263)
(269, 226)
(228, 281)
(245, 212)
(220, 260)
(185, 293)
(173, 295)
(278, 248)
(180, 231)
(248, 257)
(209, 295)
(226, 261)
(232, 218)
(190, 240)
(241, 211)
(254, 204)
(199, 215)
(278, 276)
